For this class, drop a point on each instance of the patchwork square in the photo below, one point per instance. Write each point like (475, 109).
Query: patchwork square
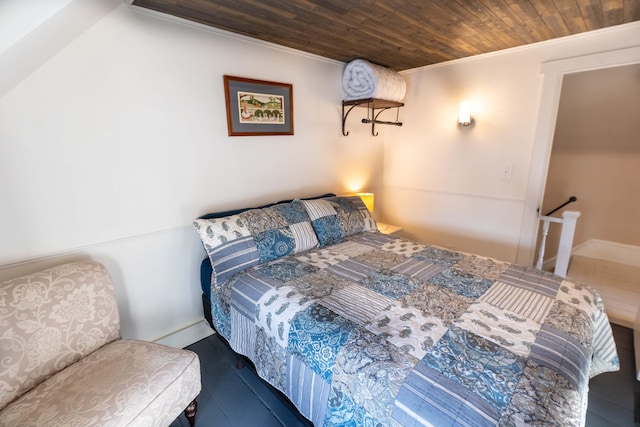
(403, 247)
(462, 283)
(605, 356)
(321, 208)
(361, 399)
(520, 301)
(351, 249)
(356, 303)
(531, 279)
(567, 357)
(286, 269)
(577, 295)
(328, 230)
(274, 244)
(335, 218)
(292, 213)
(247, 290)
(543, 397)
(482, 266)
(270, 360)
(418, 269)
(276, 308)
(502, 327)
(303, 236)
(243, 334)
(380, 259)
(477, 364)
(407, 328)
(428, 398)
(438, 255)
(375, 240)
(391, 284)
(572, 321)
(351, 270)
(322, 258)
(318, 285)
(261, 220)
(307, 390)
(316, 336)
(434, 301)
(221, 312)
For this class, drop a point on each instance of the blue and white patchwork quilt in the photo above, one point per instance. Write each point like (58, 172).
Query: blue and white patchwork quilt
(378, 330)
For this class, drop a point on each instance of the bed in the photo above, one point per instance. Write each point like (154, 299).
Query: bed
(359, 328)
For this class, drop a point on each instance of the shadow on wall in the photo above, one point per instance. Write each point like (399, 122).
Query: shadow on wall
(462, 243)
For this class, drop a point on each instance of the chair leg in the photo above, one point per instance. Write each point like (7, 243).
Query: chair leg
(190, 412)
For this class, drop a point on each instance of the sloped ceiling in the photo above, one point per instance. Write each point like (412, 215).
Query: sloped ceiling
(19, 17)
(402, 34)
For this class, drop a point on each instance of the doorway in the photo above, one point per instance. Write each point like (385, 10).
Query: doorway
(596, 156)
(554, 73)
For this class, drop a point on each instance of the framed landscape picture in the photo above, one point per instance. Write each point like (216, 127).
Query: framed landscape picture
(258, 107)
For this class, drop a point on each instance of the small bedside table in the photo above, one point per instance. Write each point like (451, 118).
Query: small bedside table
(389, 229)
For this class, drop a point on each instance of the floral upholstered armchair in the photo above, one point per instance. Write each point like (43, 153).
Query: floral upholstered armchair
(62, 362)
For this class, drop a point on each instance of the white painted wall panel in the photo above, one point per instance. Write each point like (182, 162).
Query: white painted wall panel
(156, 277)
(118, 141)
(444, 184)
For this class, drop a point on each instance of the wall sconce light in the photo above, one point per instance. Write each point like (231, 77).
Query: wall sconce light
(464, 118)
(367, 198)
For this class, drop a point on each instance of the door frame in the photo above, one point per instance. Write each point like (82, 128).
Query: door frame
(552, 75)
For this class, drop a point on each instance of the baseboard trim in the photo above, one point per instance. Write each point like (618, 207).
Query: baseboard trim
(602, 249)
(187, 336)
(609, 251)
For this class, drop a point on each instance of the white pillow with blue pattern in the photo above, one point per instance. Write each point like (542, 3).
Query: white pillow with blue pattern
(237, 242)
(335, 218)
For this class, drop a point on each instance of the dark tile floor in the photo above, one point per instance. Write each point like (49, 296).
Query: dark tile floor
(613, 396)
(233, 397)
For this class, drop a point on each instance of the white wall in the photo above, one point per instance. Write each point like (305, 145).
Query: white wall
(445, 185)
(112, 146)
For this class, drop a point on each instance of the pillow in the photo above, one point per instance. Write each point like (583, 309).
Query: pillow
(335, 218)
(237, 242)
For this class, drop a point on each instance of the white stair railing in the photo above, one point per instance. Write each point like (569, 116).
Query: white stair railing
(568, 221)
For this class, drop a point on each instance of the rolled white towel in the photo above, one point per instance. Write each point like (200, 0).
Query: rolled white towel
(362, 79)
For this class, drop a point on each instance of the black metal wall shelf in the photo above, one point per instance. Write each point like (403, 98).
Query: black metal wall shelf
(374, 108)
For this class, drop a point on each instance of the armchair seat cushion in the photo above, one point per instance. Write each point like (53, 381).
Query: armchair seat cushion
(126, 382)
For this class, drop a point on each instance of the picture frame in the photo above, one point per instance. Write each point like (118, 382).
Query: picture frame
(258, 107)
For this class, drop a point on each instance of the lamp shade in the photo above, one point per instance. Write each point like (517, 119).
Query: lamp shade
(367, 198)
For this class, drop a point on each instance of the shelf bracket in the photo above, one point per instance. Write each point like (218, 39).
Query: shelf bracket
(344, 117)
(371, 104)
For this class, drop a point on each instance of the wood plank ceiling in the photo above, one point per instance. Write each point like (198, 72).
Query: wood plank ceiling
(402, 34)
